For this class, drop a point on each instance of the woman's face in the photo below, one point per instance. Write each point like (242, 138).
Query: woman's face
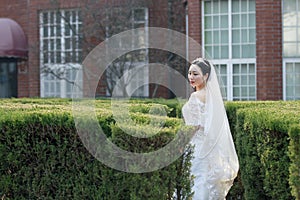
(196, 78)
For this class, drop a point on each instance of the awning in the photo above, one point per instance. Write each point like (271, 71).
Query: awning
(13, 43)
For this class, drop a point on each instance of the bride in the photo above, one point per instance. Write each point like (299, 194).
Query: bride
(215, 162)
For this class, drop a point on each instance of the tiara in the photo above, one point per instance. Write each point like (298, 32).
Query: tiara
(202, 60)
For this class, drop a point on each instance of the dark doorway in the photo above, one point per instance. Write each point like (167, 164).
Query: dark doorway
(8, 78)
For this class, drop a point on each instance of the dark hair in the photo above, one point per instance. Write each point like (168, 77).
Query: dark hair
(204, 65)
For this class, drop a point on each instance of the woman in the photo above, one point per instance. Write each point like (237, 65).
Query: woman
(215, 162)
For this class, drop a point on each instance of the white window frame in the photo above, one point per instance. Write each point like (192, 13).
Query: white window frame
(285, 61)
(288, 59)
(230, 61)
(62, 82)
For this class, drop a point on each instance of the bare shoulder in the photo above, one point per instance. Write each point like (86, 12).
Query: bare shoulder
(201, 95)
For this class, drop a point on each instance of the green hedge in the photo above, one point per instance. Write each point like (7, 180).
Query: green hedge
(294, 154)
(42, 156)
(262, 145)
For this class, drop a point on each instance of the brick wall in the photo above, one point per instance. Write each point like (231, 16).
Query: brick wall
(194, 26)
(268, 45)
(8, 10)
(269, 49)
(26, 13)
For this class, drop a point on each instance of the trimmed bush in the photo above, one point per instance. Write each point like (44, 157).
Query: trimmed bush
(42, 156)
(262, 144)
(294, 154)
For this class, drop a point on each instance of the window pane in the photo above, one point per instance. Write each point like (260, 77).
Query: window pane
(252, 68)
(244, 91)
(252, 92)
(208, 51)
(207, 7)
(244, 69)
(236, 80)
(236, 36)
(244, 36)
(208, 22)
(216, 52)
(251, 5)
(216, 7)
(290, 79)
(251, 79)
(235, 6)
(224, 21)
(216, 37)
(297, 79)
(289, 67)
(208, 37)
(244, 20)
(236, 69)
(297, 67)
(45, 32)
(290, 91)
(216, 21)
(235, 21)
(139, 14)
(224, 37)
(290, 49)
(252, 35)
(244, 6)
(244, 80)
(252, 20)
(290, 19)
(236, 91)
(224, 6)
(290, 34)
(289, 5)
(224, 52)
(236, 51)
(247, 51)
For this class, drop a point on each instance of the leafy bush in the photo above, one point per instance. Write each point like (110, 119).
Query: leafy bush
(294, 154)
(42, 156)
(262, 145)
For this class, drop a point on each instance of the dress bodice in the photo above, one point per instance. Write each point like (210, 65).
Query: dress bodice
(194, 112)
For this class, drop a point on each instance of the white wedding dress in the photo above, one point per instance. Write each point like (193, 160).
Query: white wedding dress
(214, 163)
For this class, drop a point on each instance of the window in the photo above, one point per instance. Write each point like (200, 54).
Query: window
(244, 83)
(121, 69)
(61, 52)
(291, 24)
(291, 49)
(291, 69)
(229, 40)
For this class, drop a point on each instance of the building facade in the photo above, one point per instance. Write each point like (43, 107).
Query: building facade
(254, 44)
(61, 33)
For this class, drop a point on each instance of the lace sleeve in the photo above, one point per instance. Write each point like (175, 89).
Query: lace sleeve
(193, 112)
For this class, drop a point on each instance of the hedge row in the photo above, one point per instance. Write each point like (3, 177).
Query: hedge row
(263, 144)
(42, 156)
(294, 154)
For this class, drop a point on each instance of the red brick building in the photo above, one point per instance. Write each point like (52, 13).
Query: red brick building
(60, 33)
(254, 44)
